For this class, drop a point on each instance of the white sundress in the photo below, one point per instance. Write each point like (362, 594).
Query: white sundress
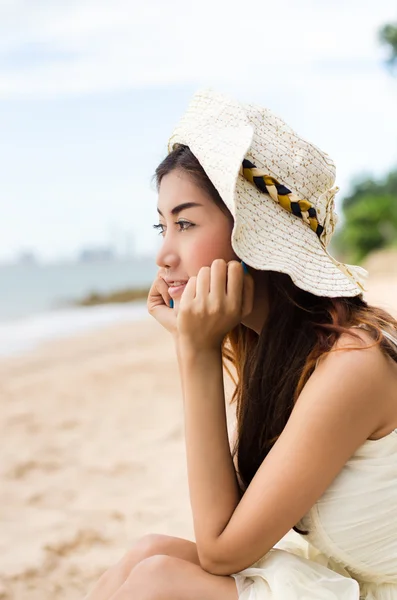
(351, 550)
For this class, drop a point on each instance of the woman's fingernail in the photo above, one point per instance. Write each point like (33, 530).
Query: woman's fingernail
(244, 267)
(171, 303)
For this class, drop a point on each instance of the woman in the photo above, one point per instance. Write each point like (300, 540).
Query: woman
(305, 504)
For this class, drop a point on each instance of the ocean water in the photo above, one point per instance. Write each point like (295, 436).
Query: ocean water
(36, 300)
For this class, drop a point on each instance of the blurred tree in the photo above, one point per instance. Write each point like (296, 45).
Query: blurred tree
(370, 218)
(370, 211)
(388, 37)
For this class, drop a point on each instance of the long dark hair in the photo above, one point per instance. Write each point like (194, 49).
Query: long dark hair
(273, 367)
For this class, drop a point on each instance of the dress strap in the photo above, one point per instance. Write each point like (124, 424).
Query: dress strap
(387, 335)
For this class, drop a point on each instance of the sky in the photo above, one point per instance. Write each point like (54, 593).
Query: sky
(90, 92)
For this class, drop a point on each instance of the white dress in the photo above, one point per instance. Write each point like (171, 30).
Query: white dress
(351, 550)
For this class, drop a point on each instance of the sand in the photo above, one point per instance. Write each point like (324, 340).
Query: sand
(93, 454)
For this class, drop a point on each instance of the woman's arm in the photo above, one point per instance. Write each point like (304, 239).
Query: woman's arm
(335, 413)
(213, 486)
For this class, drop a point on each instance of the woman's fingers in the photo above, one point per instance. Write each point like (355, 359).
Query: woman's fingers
(235, 280)
(158, 293)
(163, 289)
(188, 293)
(203, 283)
(223, 282)
(218, 278)
(158, 305)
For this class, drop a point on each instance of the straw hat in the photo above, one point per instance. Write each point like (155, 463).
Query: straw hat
(278, 187)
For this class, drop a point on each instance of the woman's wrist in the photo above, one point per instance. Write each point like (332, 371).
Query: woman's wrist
(188, 347)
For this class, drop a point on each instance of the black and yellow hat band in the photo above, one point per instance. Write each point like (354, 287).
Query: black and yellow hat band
(303, 209)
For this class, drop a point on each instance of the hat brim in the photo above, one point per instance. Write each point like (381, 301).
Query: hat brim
(269, 238)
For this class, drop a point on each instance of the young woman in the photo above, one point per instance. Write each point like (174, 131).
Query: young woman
(304, 505)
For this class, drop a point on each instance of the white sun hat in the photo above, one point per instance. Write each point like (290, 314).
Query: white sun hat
(278, 187)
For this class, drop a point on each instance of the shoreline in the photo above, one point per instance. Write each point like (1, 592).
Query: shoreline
(25, 334)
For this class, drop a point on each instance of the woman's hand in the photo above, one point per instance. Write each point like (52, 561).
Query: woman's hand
(213, 303)
(158, 305)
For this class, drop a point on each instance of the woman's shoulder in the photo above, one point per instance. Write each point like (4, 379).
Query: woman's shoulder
(360, 339)
(357, 358)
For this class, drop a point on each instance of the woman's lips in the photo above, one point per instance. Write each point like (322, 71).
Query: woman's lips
(176, 290)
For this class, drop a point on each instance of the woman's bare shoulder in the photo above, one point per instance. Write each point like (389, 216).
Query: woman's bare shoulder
(357, 351)
(354, 339)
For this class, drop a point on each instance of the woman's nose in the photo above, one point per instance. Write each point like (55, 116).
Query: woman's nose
(167, 257)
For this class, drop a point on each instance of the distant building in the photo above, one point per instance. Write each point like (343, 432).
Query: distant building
(96, 254)
(26, 258)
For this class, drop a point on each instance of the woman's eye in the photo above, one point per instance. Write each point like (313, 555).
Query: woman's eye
(183, 225)
(159, 226)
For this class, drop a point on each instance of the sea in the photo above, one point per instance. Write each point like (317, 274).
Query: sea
(37, 300)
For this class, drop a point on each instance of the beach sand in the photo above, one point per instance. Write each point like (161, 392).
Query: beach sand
(93, 454)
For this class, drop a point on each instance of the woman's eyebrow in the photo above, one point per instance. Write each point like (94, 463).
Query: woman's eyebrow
(181, 207)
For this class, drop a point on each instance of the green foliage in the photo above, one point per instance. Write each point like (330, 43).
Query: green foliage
(127, 295)
(388, 37)
(370, 211)
(370, 219)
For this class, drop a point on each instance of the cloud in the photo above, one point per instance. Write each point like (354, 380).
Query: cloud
(90, 90)
(101, 46)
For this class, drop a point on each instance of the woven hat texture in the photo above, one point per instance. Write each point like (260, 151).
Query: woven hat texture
(222, 133)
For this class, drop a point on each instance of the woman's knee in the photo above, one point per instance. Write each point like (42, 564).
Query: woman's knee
(152, 544)
(145, 548)
(153, 574)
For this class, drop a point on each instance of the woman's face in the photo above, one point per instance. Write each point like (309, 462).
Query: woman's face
(192, 237)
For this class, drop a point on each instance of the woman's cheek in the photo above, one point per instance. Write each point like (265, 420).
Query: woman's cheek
(208, 250)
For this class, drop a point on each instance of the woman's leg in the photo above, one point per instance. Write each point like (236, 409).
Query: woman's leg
(168, 578)
(147, 546)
